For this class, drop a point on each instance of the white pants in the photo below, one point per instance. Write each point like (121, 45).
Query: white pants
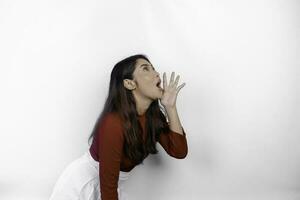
(80, 181)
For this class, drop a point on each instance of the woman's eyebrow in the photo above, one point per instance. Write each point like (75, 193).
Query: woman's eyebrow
(146, 65)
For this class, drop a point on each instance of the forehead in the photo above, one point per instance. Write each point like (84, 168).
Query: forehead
(141, 61)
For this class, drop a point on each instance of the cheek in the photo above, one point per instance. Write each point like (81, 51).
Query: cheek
(147, 87)
(146, 82)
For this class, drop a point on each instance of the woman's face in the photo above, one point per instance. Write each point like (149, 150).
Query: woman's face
(145, 80)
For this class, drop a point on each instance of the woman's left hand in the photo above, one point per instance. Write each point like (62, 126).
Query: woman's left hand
(170, 92)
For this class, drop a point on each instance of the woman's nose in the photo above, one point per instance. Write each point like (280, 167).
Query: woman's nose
(157, 74)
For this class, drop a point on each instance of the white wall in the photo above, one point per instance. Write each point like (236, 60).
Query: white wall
(240, 106)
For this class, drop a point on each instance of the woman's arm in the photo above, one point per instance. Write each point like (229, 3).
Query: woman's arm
(174, 143)
(174, 140)
(110, 152)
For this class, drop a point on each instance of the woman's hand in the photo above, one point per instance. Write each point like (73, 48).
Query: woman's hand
(170, 92)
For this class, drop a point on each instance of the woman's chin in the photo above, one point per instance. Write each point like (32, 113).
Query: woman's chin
(160, 92)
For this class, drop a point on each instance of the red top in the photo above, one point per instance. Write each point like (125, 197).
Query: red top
(108, 148)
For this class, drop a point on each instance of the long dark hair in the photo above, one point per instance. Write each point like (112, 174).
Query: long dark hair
(121, 101)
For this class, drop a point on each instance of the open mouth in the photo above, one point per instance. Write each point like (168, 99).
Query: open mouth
(158, 85)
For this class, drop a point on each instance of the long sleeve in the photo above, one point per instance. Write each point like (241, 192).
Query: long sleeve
(174, 143)
(110, 151)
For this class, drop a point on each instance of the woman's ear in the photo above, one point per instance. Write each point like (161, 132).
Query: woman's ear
(129, 84)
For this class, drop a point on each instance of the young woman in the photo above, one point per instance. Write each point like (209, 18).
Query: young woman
(137, 113)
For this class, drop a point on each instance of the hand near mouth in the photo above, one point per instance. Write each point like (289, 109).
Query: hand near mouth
(170, 92)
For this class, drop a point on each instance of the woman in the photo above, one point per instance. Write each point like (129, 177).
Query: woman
(130, 124)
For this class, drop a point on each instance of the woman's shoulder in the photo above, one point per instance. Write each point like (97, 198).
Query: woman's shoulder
(110, 131)
(111, 116)
(112, 119)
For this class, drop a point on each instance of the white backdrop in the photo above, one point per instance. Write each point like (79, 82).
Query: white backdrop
(240, 106)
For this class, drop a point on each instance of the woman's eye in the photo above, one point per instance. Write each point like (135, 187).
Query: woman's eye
(147, 68)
